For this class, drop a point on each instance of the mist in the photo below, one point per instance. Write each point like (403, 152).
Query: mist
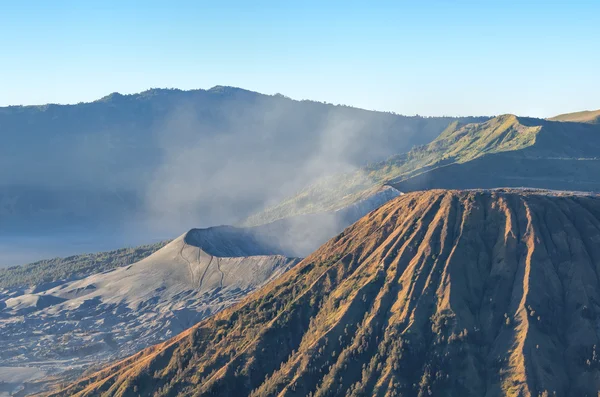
(153, 165)
(209, 176)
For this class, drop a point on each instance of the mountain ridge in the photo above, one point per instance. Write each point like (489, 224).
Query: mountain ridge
(69, 326)
(48, 271)
(443, 293)
(504, 151)
(217, 89)
(549, 155)
(99, 307)
(108, 164)
(586, 116)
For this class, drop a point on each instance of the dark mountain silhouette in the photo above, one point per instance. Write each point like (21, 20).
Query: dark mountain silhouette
(183, 158)
(444, 293)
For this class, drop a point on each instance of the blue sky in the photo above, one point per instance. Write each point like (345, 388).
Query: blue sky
(534, 58)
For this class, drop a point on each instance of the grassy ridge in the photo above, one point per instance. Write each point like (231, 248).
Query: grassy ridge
(458, 143)
(587, 116)
(73, 267)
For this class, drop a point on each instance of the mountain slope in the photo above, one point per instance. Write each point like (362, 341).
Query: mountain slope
(101, 316)
(586, 116)
(49, 271)
(300, 235)
(184, 157)
(445, 293)
(77, 324)
(295, 236)
(506, 151)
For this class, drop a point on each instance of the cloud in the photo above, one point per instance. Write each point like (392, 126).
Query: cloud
(164, 161)
(218, 174)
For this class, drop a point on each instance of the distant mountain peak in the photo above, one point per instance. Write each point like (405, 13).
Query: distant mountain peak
(466, 142)
(114, 96)
(225, 89)
(152, 92)
(586, 116)
(506, 116)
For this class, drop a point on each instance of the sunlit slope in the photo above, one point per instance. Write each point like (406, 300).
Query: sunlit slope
(444, 293)
(506, 151)
(586, 116)
(66, 327)
(521, 153)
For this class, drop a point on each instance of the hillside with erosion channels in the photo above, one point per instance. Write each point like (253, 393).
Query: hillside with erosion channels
(64, 327)
(505, 151)
(444, 293)
(62, 316)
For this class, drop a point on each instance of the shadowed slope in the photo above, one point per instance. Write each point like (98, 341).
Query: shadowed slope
(178, 157)
(445, 293)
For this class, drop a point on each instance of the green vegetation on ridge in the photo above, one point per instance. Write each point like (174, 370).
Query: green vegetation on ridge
(73, 267)
(207, 140)
(458, 143)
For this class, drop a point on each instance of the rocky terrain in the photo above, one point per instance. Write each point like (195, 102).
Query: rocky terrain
(62, 316)
(444, 293)
(73, 325)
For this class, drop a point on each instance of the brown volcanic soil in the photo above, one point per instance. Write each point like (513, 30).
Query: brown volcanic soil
(443, 293)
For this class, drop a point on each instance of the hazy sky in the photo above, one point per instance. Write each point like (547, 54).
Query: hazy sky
(534, 58)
